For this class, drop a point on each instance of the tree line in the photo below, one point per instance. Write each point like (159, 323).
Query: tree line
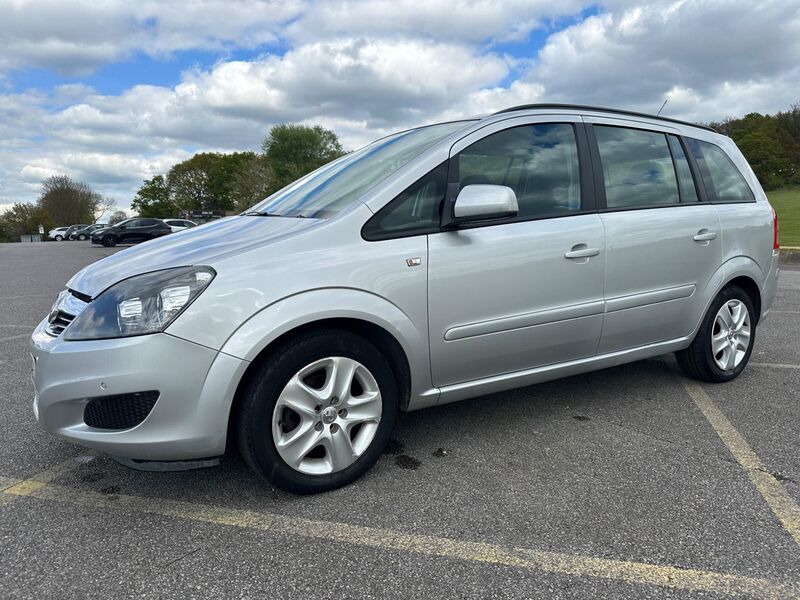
(62, 201)
(236, 181)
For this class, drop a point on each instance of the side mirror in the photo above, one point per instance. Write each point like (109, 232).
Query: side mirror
(480, 202)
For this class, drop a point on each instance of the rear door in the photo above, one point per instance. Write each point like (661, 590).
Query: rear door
(505, 296)
(663, 239)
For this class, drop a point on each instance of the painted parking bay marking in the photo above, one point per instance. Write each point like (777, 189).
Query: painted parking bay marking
(775, 495)
(692, 580)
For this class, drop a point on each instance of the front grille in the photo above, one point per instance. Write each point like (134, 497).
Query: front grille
(68, 305)
(58, 321)
(121, 411)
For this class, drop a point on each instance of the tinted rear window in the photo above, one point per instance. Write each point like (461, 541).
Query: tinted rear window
(637, 167)
(721, 177)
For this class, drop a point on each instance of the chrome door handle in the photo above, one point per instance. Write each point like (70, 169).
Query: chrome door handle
(704, 235)
(581, 251)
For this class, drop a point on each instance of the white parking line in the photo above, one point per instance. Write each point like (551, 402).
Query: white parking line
(15, 337)
(773, 365)
(775, 495)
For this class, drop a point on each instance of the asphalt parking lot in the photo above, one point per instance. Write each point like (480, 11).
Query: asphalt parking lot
(627, 482)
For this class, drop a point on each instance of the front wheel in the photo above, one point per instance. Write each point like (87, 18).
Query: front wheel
(723, 344)
(59, 238)
(318, 413)
(109, 241)
(82, 238)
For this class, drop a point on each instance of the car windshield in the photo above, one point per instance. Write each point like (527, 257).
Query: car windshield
(331, 188)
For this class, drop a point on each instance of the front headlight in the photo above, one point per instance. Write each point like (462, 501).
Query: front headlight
(140, 305)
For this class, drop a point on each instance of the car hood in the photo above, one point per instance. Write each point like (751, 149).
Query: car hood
(202, 245)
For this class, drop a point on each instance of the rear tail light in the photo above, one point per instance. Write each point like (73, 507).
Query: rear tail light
(775, 243)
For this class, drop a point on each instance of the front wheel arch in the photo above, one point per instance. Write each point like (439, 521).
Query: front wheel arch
(376, 335)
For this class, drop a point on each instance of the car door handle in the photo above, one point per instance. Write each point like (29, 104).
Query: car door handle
(581, 251)
(704, 235)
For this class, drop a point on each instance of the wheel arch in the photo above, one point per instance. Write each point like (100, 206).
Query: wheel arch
(745, 273)
(376, 320)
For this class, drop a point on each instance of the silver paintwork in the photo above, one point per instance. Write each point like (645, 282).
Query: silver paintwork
(482, 200)
(483, 310)
(730, 336)
(326, 415)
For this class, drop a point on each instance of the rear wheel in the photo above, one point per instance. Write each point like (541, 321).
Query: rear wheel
(723, 344)
(317, 415)
(109, 241)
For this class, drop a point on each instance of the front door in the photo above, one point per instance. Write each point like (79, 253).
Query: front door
(526, 292)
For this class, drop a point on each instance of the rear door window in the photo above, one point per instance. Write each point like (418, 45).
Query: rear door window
(637, 167)
(721, 177)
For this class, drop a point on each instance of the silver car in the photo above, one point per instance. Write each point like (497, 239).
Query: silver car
(435, 264)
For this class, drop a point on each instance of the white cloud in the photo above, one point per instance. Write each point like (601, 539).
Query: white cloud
(77, 37)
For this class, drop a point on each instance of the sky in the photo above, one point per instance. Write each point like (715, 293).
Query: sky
(112, 92)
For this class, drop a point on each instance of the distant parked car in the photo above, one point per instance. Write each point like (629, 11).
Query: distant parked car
(179, 224)
(83, 234)
(130, 230)
(72, 229)
(57, 234)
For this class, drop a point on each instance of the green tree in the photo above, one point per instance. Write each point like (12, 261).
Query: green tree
(195, 185)
(757, 138)
(251, 182)
(67, 202)
(24, 218)
(153, 199)
(294, 150)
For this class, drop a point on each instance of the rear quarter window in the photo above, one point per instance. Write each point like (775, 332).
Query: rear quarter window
(723, 180)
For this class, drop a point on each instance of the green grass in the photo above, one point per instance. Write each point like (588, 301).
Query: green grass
(787, 204)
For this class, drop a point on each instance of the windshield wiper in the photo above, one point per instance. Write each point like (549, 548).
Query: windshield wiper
(255, 213)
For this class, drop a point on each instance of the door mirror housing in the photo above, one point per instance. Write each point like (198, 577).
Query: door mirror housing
(481, 202)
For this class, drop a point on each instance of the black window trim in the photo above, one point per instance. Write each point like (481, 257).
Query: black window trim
(705, 176)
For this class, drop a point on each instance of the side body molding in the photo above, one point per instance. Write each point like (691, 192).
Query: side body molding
(291, 312)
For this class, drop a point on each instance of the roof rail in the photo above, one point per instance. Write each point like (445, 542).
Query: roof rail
(601, 109)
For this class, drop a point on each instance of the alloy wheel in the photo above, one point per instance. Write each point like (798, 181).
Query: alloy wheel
(730, 335)
(326, 416)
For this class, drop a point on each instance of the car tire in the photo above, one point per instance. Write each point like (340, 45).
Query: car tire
(716, 354)
(59, 238)
(261, 420)
(82, 238)
(109, 241)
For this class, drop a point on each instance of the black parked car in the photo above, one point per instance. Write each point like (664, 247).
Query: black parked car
(130, 231)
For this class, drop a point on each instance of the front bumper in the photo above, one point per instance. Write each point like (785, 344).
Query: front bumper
(189, 420)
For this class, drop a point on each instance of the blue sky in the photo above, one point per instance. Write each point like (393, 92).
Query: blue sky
(115, 92)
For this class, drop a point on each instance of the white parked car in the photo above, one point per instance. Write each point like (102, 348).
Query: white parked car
(57, 234)
(179, 224)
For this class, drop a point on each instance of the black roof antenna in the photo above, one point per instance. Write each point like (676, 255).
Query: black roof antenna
(662, 107)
